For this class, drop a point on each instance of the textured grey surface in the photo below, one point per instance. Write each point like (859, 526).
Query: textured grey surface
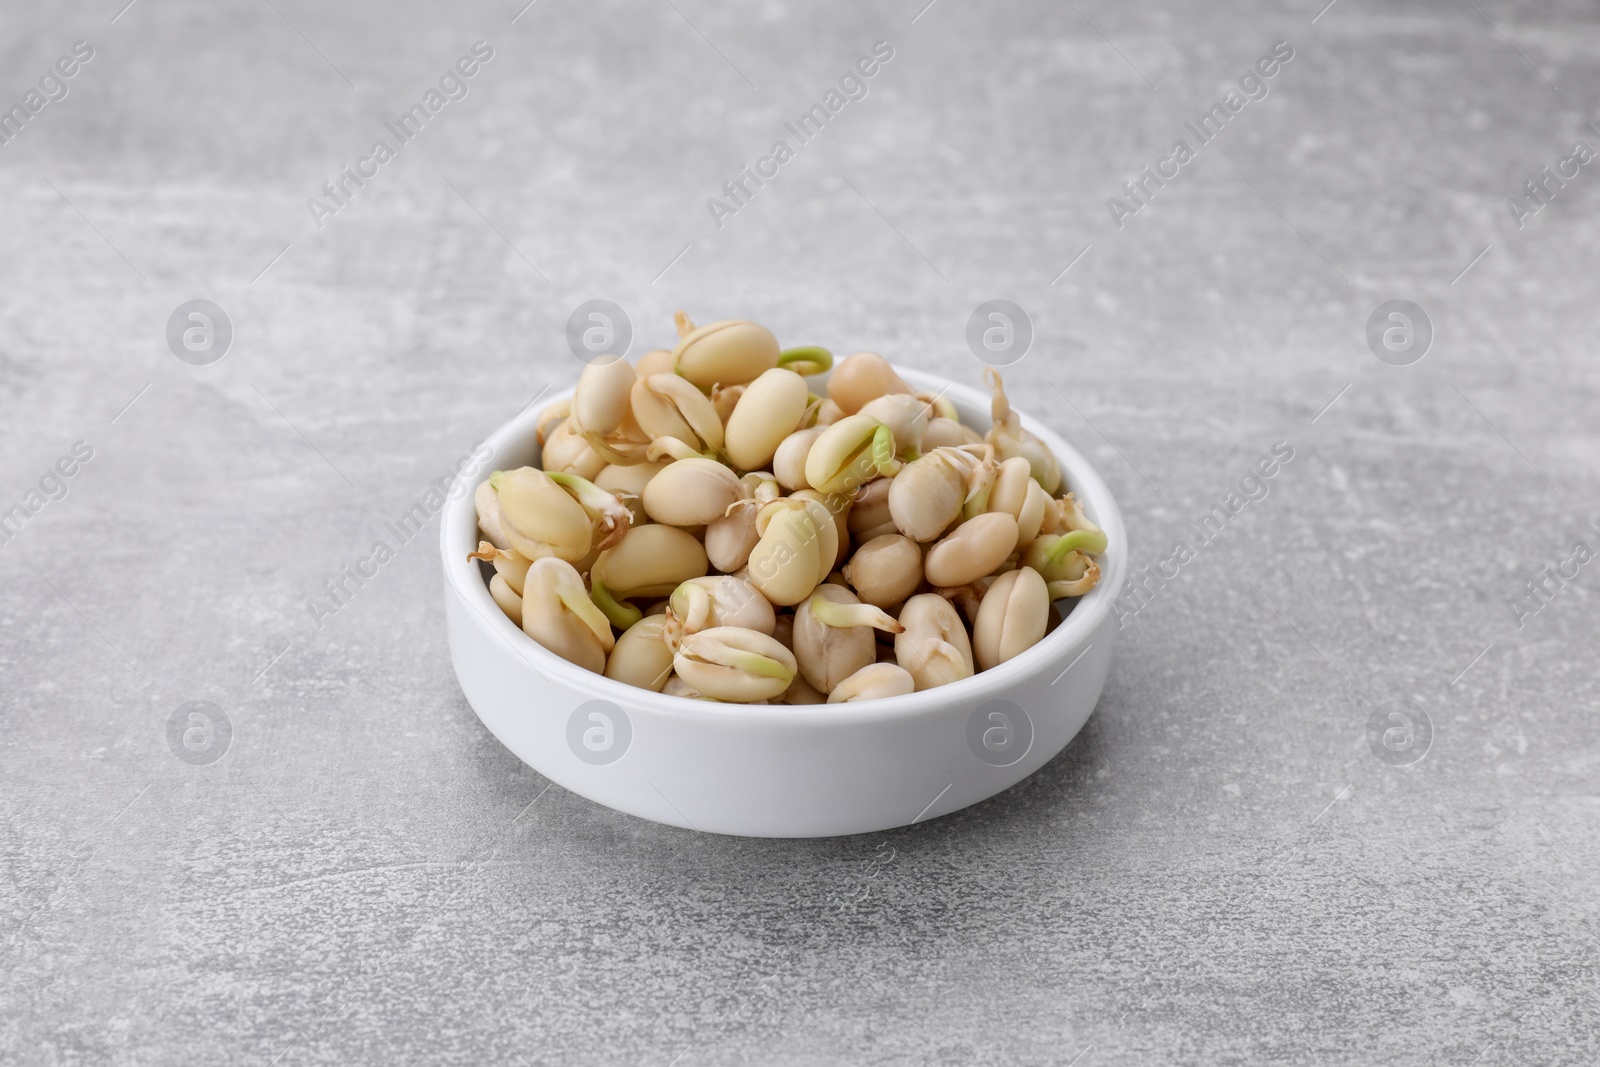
(1219, 870)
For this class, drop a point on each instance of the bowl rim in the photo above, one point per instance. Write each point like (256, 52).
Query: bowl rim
(458, 535)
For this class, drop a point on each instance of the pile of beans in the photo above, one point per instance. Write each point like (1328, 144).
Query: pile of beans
(707, 526)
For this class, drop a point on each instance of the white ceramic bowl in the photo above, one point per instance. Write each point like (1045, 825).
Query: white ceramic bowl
(780, 771)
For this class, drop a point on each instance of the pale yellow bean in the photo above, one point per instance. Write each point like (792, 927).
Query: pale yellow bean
(1030, 520)
(650, 560)
(828, 540)
(1016, 493)
(862, 378)
(842, 458)
(558, 614)
(655, 361)
(1011, 618)
(666, 405)
(730, 352)
(885, 570)
(926, 496)
(948, 433)
(540, 518)
(691, 492)
(641, 656)
(609, 517)
(730, 539)
(564, 450)
(838, 506)
(766, 414)
(601, 400)
(719, 600)
(787, 563)
(907, 419)
(874, 682)
(934, 647)
(734, 664)
(789, 462)
(973, 549)
(833, 635)
(1010, 488)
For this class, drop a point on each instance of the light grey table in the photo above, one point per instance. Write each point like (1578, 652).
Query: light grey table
(1224, 867)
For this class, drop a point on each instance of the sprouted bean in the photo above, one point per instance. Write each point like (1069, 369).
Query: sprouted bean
(717, 523)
